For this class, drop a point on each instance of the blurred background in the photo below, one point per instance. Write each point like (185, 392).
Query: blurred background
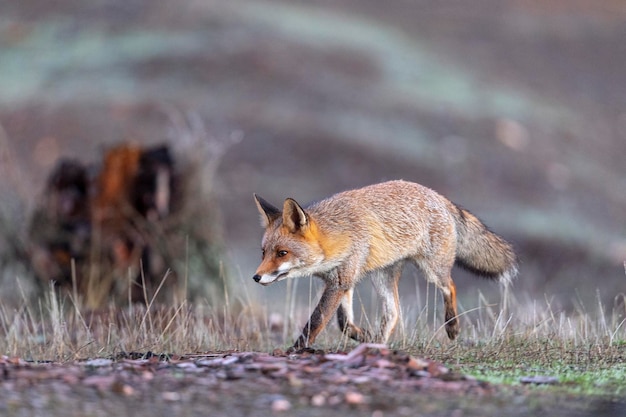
(515, 110)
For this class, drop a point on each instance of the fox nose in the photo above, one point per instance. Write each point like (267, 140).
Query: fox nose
(256, 278)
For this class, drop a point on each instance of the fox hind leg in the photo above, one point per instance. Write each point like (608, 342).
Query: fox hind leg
(440, 276)
(451, 314)
(386, 285)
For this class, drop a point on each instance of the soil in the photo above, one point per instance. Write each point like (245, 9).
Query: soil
(369, 380)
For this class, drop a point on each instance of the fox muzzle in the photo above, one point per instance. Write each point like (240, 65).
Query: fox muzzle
(256, 278)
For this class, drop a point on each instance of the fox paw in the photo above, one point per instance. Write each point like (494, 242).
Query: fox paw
(294, 350)
(368, 336)
(453, 328)
(356, 333)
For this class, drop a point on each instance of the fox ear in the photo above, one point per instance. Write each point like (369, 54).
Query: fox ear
(294, 216)
(268, 212)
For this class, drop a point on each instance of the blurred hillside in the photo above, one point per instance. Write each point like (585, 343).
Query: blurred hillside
(515, 110)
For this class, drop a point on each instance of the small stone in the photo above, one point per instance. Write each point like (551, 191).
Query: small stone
(318, 400)
(281, 404)
(355, 398)
(98, 363)
(539, 380)
(171, 396)
(127, 390)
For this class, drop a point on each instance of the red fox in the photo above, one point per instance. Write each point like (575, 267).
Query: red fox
(376, 229)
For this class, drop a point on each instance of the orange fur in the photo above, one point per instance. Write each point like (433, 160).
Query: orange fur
(332, 245)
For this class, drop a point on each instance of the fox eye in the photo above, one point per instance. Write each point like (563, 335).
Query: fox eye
(281, 253)
(263, 253)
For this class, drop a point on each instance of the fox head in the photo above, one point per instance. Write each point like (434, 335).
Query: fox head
(290, 245)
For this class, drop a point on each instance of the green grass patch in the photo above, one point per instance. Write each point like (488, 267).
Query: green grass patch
(556, 365)
(571, 379)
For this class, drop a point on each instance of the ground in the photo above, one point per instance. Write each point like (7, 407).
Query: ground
(369, 380)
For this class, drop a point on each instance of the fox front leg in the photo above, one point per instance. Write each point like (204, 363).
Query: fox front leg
(326, 307)
(345, 319)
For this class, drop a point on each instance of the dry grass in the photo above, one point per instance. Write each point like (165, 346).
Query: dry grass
(584, 349)
(58, 328)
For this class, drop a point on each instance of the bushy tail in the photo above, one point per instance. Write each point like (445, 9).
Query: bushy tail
(481, 251)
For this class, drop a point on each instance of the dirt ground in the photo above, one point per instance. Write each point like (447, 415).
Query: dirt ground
(367, 381)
